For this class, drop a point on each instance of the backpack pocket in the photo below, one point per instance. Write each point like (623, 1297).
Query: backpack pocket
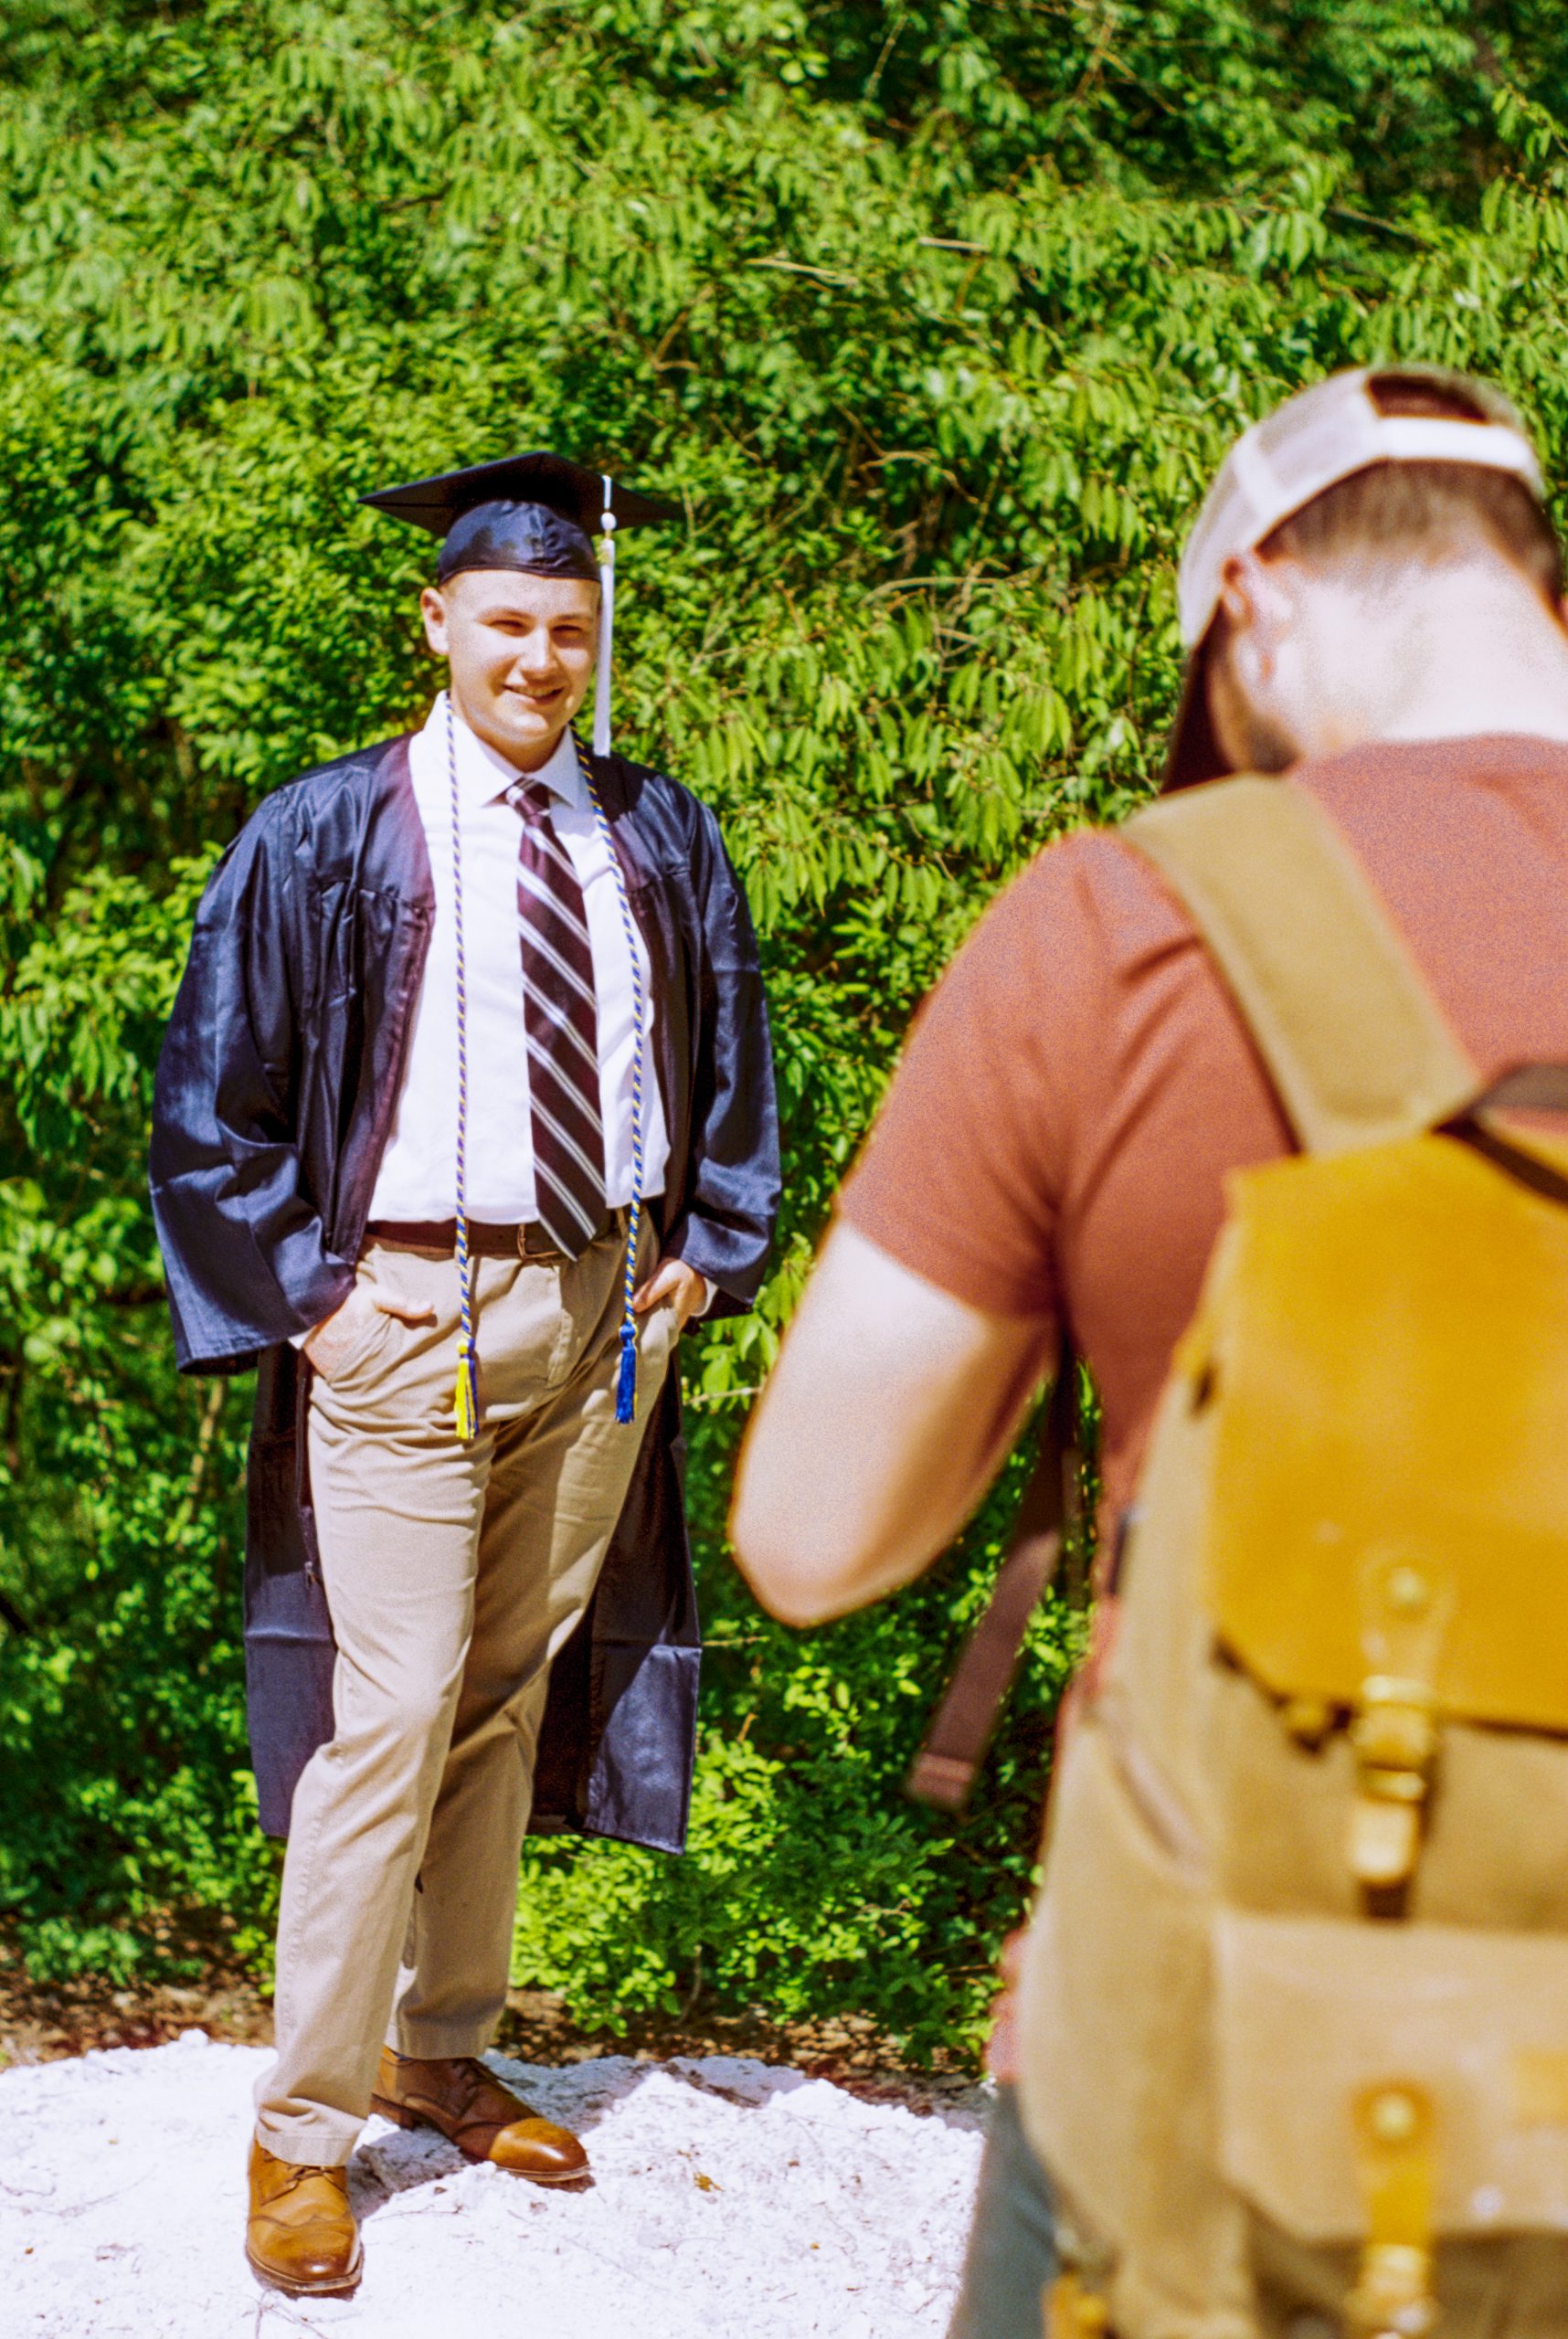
(1313, 2016)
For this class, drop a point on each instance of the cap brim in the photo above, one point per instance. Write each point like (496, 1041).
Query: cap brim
(1194, 754)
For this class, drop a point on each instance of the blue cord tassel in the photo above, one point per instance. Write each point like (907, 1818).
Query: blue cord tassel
(626, 1386)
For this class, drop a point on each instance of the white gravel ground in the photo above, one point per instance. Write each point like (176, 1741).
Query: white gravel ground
(730, 2200)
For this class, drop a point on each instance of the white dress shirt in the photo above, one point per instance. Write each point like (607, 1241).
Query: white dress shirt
(418, 1177)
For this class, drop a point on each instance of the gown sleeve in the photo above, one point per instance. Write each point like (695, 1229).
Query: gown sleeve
(725, 1226)
(245, 1253)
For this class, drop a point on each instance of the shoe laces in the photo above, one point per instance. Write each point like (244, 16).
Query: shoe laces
(481, 2082)
(300, 2170)
(477, 2076)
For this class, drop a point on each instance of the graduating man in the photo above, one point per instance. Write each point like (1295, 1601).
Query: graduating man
(465, 1109)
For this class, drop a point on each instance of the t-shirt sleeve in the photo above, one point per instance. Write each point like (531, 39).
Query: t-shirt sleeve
(963, 1175)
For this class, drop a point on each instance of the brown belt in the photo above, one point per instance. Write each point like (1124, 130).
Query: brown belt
(529, 1240)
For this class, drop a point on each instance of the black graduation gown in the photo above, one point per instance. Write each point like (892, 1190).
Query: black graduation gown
(275, 1094)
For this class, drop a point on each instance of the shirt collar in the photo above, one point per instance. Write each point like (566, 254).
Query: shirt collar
(483, 776)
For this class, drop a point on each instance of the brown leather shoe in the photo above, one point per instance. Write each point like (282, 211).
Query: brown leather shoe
(459, 2095)
(301, 2236)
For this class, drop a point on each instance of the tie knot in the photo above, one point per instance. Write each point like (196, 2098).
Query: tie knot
(530, 797)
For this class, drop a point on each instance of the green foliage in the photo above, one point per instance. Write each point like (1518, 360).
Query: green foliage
(810, 1884)
(933, 317)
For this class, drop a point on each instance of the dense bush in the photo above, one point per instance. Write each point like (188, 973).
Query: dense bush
(933, 318)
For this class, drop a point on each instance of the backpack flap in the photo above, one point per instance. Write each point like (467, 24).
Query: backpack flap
(1389, 1500)
(1319, 2025)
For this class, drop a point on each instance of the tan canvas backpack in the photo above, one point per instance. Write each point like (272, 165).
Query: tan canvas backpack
(1296, 2001)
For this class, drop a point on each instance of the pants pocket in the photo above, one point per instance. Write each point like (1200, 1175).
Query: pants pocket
(352, 1340)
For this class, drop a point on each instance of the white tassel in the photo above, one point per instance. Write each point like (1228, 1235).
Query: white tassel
(606, 626)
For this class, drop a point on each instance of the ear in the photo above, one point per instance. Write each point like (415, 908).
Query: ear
(1258, 604)
(1252, 590)
(433, 609)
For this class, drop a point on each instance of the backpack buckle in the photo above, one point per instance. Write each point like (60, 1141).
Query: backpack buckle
(1073, 2311)
(1394, 1737)
(1404, 1612)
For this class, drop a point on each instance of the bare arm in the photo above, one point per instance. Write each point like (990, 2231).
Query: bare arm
(885, 1418)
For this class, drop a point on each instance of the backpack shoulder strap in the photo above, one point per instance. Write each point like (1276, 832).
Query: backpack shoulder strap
(955, 1745)
(1352, 1038)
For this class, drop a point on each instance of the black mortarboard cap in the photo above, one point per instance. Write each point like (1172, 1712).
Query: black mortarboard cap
(533, 512)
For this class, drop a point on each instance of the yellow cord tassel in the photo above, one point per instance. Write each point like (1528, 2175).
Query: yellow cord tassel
(465, 1399)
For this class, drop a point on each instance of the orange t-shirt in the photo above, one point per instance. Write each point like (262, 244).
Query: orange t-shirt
(1079, 1083)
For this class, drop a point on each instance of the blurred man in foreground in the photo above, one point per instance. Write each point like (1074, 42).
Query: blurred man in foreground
(1372, 599)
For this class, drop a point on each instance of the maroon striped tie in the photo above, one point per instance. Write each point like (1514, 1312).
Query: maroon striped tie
(560, 1022)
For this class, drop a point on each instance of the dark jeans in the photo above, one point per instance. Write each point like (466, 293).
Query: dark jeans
(1012, 2241)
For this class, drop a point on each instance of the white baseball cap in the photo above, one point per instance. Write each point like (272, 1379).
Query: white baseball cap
(1315, 440)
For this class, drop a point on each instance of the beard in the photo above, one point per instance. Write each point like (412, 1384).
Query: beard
(1269, 746)
(1249, 737)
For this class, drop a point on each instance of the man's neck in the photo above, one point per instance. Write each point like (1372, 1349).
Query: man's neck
(1488, 658)
(522, 757)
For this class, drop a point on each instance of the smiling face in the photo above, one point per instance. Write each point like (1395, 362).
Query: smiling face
(520, 653)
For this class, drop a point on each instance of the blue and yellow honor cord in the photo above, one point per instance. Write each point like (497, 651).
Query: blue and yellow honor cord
(466, 1394)
(626, 1382)
(465, 1399)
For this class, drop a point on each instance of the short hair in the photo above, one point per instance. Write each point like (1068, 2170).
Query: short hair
(1425, 509)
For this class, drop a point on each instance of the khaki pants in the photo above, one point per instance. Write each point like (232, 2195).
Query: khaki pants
(454, 1573)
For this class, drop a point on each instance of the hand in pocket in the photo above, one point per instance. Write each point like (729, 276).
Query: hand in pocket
(350, 1336)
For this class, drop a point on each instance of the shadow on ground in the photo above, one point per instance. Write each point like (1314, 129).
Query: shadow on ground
(392, 2160)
